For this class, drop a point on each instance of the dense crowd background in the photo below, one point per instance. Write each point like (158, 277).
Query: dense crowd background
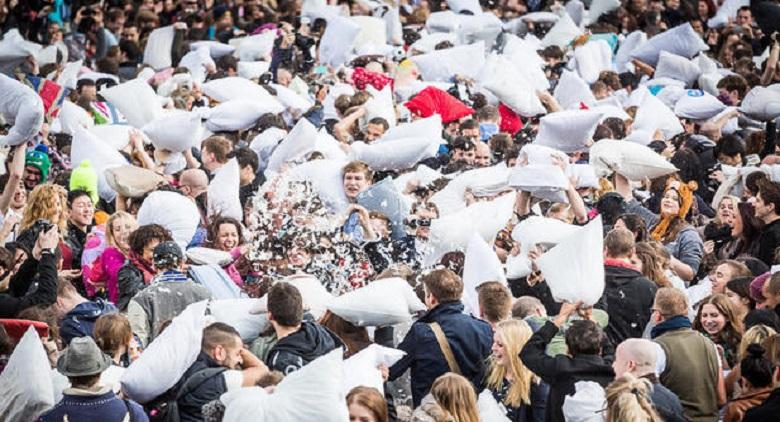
(379, 210)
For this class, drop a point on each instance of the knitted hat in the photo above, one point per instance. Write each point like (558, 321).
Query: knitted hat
(39, 158)
(757, 285)
(84, 177)
(167, 254)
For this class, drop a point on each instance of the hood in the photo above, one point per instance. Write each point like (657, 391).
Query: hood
(310, 342)
(619, 275)
(91, 310)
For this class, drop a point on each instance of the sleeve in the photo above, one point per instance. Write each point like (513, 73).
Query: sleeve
(635, 207)
(139, 322)
(407, 345)
(690, 249)
(21, 281)
(534, 357)
(539, 393)
(233, 379)
(46, 293)
(127, 280)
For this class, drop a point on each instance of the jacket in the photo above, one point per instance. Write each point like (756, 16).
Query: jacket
(130, 281)
(767, 411)
(87, 406)
(469, 338)
(736, 409)
(81, 319)
(32, 272)
(562, 372)
(210, 389)
(301, 347)
(665, 401)
(768, 241)
(628, 300)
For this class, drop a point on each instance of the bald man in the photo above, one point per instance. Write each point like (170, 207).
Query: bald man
(482, 155)
(638, 357)
(193, 182)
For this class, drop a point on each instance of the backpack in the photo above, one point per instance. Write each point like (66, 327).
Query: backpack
(167, 407)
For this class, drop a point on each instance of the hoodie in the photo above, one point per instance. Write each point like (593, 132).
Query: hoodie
(628, 300)
(80, 320)
(301, 347)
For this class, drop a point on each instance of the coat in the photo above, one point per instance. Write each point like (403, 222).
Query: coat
(103, 405)
(628, 300)
(469, 338)
(301, 347)
(80, 320)
(19, 297)
(562, 372)
(737, 408)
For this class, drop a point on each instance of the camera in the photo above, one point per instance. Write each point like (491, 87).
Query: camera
(41, 226)
(303, 42)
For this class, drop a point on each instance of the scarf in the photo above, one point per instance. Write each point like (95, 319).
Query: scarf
(685, 195)
(140, 263)
(670, 325)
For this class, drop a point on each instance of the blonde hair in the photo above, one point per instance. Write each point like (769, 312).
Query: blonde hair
(41, 205)
(514, 334)
(456, 396)
(734, 201)
(117, 216)
(755, 335)
(628, 400)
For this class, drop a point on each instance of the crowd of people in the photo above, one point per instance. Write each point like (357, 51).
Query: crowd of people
(303, 157)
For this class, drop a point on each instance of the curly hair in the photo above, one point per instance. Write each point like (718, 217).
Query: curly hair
(43, 203)
(143, 235)
(213, 230)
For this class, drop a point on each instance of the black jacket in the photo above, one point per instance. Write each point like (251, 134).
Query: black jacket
(767, 411)
(768, 241)
(32, 272)
(562, 372)
(130, 281)
(301, 347)
(628, 300)
(210, 389)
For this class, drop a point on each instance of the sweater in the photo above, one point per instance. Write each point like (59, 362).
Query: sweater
(87, 406)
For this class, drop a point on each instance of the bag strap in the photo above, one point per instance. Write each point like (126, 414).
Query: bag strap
(196, 379)
(129, 417)
(444, 345)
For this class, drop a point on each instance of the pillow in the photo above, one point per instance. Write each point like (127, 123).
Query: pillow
(541, 17)
(291, 100)
(502, 78)
(423, 175)
(385, 198)
(383, 302)
(562, 33)
(582, 278)
(216, 49)
(208, 256)
(569, 130)
(300, 141)
(21, 106)
(427, 42)
(535, 177)
(255, 47)
(523, 54)
(239, 114)
(676, 67)
(235, 88)
(452, 199)
(136, 100)
(709, 82)
(26, 388)
(132, 181)
(175, 131)
(334, 92)
(653, 114)
(480, 266)
(631, 43)
(762, 103)
(576, 11)
(117, 136)
(428, 128)
(489, 409)
(168, 356)
(681, 40)
(70, 117)
(223, 192)
(315, 297)
(571, 91)
(157, 53)
(361, 368)
(444, 21)
(381, 104)
(592, 58)
(585, 175)
(634, 161)
(397, 155)
(86, 146)
(540, 154)
(198, 62)
(698, 105)
(726, 11)
(540, 230)
(236, 313)
(458, 6)
(372, 31)
(337, 41)
(483, 27)
(441, 65)
(264, 144)
(252, 70)
(69, 75)
(433, 100)
(329, 146)
(174, 211)
(215, 279)
(326, 178)
(600, 7)
(586, 404)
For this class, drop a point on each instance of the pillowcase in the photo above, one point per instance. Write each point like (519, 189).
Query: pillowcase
(592, 58)
(174, 211)
(326, 178)
(372, 31)
(383, 302)
(23, 107)
(762, 103)
(237, 314)
(86, 146)
(361, 368)
(383, 197)
(634, 161)
(255, 47)
(623, 56)
(676, 67)
(315, 297)
(698, 105)
(481, 265)
(535, 177)
(568, 130)
(235, 88)
(300, 141)
(562, 33)
(433, 100)
(252, 70)
(441, 65)
(26, 387)
(157, 53)
(397, 155)
(572, 91)
(653, 114)
(198, 62)
(117, 136)
(264, 144)
(681, 40)
(291, 100)
(70, 117)
(380, 105)
(502, 78)
(132, 181)
(428, 128)
(337, 41)
(175, 131)
(452, 199)
(238, 114)
(136, 100)
(223, 192)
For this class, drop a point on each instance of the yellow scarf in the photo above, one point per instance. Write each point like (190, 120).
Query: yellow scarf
(685, 193)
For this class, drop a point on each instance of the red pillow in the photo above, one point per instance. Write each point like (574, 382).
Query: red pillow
(432, 101)
(17, 327)
(510, 121)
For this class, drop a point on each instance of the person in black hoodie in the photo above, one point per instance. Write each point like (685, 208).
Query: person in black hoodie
(628, 295)
(300, 342)
(39, 269)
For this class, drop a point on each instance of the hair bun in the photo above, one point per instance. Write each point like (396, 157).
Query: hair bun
(755, 350)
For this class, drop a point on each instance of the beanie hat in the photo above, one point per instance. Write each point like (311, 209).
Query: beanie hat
(167, 254)
(39, 158)
(85, 177)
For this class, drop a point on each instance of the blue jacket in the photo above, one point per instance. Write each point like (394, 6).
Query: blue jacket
(469, 338)
(80, 320)
(93, 406)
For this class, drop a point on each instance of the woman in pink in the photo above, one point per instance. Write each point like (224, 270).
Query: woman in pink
(107, 266)
(225, 235)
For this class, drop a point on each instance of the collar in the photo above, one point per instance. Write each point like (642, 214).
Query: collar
(672, 324)
(455, 307)
(80, 392)
(613, 262)
(171, 276)
(650, 377)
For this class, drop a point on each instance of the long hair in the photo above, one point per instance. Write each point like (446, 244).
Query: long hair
(514, 334)
(755, 335)
(42, 204)
(628, 400)
(731, 333)
(652, 264)
(371, 399)
(110, 236)
(456, 396)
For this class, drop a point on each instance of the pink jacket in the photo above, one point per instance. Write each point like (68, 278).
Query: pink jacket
(106, 271)
(231, 270)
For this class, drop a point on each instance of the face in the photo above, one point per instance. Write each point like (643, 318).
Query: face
(621, 364)
(19, 200)
(229, 356)
(722, 275)
(712, 320)
(698, 26)
(703, 8)
(210, 162)
(298, 257)
(227, 237)
(354, 183)
(82, 211)
(726, 211)
(359, 413)
(374, 132)
(32, 177)
(482, 155)
(744, 17)
(284, 77)
(380, 227)
(472, 133)
(669, 203)
(89, 92)
(130, 33)
(19, 257)
(763, 209)
(463, 155)
(499, 352)
(737, 301)
(148, 252)
(737, 225)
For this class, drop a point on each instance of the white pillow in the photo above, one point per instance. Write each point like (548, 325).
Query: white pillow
(208, 256)
(585, 175)
(361, 368)
(252, 70)
(21, 106)
(481, 265)
(525, 58)
(472, 6)
(502, 78)
(238, 114)
(118, 136)
(372, 31)
(136, 100)
(592, 58)
(337, 90)
(582, 278)
(175, 131)
(167, 357)
(427, 42)
(681, 40)
(382, 302)
(380, 105)
(216, 49)
(86, 146)
(631, 43)
(428, 128)
(480, 27)
(600, 7)
(337, 41)
(540, 154)
(586, 404)
(223, 192)
(653, 114)
(444, 21)
(698, 105)
(572, 90)
(326, 177)
(568, 130)
(397, 155)
(264, 144)
(26, 387)
(291, 100)
(676, 67)
(540, 230)
(329, 146)
(632, 160)
(452, 199)
(300, 141)
(576, 11)
(174, 211)
(385, 198)
(255, 47)
(562, 33)
(762, 103)
(69, 75)
(198, 62)
(157, 53)
(441, 65)
(237, 314)
(316, 297)
(541, 17)
(709, 82)
(489, 409)
(235, 88)
(72, 116)
(536, 177)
